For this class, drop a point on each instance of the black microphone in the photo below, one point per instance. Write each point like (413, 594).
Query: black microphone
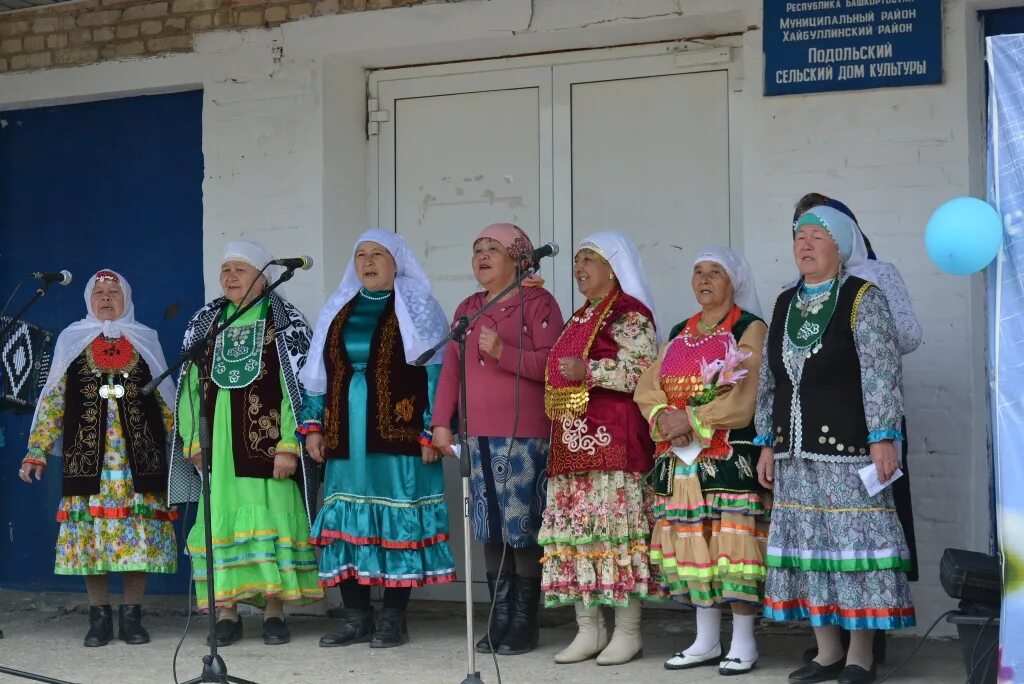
(62, 278)
(303, 262)
(548, 250)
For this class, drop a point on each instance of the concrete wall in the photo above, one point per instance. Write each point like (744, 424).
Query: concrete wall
(286, 157)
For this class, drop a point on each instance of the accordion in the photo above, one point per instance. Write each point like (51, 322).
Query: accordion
(26, 352)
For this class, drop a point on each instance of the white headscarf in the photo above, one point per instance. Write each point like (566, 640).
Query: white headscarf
(254, 254)
(621, 252)
(73, 340)
(848, 238)
(420, 317)
(740, 273)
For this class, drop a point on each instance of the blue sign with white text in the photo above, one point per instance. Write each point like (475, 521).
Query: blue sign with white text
(822, 45)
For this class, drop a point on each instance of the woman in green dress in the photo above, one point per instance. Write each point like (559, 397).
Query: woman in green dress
(366, 413)
(262, 488)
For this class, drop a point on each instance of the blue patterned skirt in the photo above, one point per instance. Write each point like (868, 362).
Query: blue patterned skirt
(508, 489)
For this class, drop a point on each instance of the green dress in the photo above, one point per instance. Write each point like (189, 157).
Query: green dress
(261, 543)
(384, 520)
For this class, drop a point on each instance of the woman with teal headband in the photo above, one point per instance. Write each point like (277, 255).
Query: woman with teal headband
(829, 404)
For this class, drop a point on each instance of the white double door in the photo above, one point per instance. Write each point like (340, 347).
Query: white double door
(639, 145)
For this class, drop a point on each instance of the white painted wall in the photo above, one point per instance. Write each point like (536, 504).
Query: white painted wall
(286, 162)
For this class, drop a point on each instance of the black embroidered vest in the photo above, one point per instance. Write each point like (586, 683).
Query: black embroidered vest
(827, 421)
(85, 430)
(396, 393)
(255, 411)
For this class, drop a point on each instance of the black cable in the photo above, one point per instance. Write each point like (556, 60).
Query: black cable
(188, 504)
(508, 457)
(989, 652)
(975, 661)
(188, 608)
(920, 643)
(14, 292)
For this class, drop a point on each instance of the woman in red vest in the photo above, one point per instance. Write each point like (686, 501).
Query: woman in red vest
(596, 526)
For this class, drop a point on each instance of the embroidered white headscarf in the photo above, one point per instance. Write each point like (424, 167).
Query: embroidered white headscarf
(254, 254)
(621, 252)
(420, 317)
(740, 274)
(73, 340)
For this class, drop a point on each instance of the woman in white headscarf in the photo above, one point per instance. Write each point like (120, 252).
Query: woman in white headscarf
(366, 414)
(712, 516)
(830, 403)
(596, 525)
(263, 489)
(111, 441)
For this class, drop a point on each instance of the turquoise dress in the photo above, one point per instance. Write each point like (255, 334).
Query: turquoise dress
(384, 520)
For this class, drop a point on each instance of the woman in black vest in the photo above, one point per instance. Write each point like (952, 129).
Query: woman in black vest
(113, 442)
(829, 405)
(365, 412)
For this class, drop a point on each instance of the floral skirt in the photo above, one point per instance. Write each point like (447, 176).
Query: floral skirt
(836, 556)
(117, 530)
(594, 532)
(710, 545)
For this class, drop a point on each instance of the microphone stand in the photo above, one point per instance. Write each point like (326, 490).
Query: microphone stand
(458, 333)
(17, 317)
(214, 668)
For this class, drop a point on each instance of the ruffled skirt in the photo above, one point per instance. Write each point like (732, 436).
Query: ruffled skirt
(594, 532)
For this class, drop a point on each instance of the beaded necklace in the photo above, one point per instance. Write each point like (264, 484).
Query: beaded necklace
(808, 316)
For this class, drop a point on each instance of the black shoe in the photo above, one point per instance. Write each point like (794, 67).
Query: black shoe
(522, 633)
(392, 630)
(275, 632)
(356, 628)
(101, 626)
(500, 587)
(228, 632)
(855, 674)
(813, 672)
(129, 625)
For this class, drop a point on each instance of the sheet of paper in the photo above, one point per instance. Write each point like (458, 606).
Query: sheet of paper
(687, 454)
(457, 448)
(869, 476)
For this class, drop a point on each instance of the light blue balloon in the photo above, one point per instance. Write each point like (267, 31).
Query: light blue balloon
(963, 236)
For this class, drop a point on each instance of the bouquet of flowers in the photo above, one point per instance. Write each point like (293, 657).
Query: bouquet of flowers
(718, 377)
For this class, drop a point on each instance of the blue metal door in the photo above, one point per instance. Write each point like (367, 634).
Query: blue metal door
(112, 184)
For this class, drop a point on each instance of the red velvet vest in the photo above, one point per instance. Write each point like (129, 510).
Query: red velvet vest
(612, 434)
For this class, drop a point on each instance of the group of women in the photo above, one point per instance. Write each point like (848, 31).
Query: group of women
(586, 485)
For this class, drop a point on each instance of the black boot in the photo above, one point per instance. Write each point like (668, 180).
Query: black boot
(101, 626)
(878, 647)
(501, 595)
(129, 625)
(356, 627)
(392, 630)
(522, 633)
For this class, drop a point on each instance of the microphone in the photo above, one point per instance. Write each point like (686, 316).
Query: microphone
(62, 278)
(303, 262)
(548, 250)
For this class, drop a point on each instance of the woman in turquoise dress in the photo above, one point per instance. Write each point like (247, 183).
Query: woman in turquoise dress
(262, 488)
(366, 414)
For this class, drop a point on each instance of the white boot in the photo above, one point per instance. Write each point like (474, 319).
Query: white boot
(591, 638)
(626, 644)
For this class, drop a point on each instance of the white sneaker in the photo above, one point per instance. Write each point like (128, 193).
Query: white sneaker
(685, 661)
